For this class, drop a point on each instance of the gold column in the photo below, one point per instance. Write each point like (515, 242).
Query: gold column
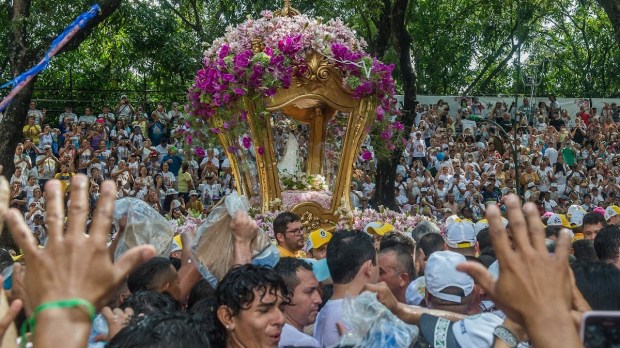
(317, 137)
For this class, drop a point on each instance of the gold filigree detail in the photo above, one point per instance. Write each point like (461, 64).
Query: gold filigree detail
(318, 71)
(287, 10)
(257, 45)
(310, 221)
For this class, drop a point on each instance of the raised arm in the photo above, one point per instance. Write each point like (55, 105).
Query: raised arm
(59, 281)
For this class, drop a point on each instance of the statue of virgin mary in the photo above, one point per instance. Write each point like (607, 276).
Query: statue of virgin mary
(289, 163)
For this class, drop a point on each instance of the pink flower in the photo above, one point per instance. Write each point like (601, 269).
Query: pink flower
(224, 51)
(247, 142)
(261, 150)
(188, 139)
(226, 125)
(199, 152)
(239, 91)
(399, 126)
(380, 113)
(367, 155)
(216, 130)
(385, 135)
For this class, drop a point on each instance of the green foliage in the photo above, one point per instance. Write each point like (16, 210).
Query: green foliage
(151, 50)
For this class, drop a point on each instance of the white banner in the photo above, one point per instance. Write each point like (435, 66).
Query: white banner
(570, 104)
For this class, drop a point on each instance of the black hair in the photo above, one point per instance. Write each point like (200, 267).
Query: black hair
(162, 330)
(484, 239)
(5, 258)
(201, 290)
(583, 250)
(430, 243)
(176, 262)
(404, 260)
(607, 243)
(346, 253)
(599, 284)
(236, 290)
(593, 218)
(326, 293)
(146, 275)
(287, 268)
(552, 231)
(399, 240)
(282, 220)
(206, 310)
(147, 302)
(486, 259)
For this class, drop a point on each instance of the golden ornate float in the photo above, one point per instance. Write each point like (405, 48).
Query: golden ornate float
(330, 122)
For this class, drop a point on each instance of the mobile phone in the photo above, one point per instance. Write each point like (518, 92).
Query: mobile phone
(600, 329)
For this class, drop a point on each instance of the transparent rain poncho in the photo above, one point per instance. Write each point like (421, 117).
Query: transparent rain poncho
(213, 247)
(371, 324)
(143, 225)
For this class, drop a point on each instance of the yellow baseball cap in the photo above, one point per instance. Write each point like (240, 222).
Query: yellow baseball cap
(612, 211)
(177, 245)
(317, 239)
(559, 220)
(378, 228)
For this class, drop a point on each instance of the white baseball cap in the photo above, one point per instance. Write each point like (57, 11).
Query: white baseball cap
(460, 234)
(484, 223)
(574, 209)
(558, 220)
(440, 273)
(576, 219)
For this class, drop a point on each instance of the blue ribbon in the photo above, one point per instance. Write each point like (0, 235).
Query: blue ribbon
(79, 23)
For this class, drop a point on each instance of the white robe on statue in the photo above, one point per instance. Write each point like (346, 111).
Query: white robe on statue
(288, 164)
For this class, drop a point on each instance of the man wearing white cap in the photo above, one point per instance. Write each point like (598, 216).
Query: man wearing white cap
(558, 220)
(461, 238)
(612, 215)
(447, 288)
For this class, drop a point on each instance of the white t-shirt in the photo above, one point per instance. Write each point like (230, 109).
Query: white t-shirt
(162, 151)
(291, 337)
(552, 154)
(169, 179)
(325, 330)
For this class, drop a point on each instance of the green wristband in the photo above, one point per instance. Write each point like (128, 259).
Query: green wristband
(67, 303)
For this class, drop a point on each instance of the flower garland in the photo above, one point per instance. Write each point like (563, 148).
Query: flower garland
(303, 181)
(232, 71)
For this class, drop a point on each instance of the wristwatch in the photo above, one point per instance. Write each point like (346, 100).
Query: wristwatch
(506, 336)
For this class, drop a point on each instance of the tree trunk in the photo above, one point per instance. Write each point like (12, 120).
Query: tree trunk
(498, 68)
(384, 28)
(612, 8)
(386, 171)
(23, 56)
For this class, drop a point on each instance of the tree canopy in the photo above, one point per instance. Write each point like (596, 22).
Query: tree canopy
(458, 47)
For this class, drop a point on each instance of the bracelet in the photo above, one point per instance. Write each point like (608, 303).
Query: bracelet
(504, 334)
(66, 303)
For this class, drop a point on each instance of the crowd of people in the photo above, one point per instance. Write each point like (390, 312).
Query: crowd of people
(488, 269)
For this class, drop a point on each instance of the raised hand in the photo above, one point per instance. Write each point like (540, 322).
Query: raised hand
(73, 264)
(534, 286)
(117, 319)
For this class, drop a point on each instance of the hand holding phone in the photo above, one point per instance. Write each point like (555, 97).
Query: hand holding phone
(600, 329)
